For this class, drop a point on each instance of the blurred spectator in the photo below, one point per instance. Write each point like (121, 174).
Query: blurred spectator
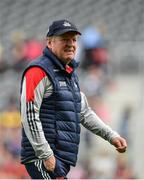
(93, 81)
(77, 173)
(101, 108)
(124, 126)
(3, 63)
(17, 36)
(10, 166)
(91, 38)
(33, 48)
(19, 59)
(123, 171)
(24, 50)
(95, 50)
(103, 165)
(11, 117)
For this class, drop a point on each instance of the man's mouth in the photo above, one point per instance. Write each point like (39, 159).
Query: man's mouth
(69, 51)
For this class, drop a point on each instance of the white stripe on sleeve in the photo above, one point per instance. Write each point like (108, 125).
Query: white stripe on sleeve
(31, 121)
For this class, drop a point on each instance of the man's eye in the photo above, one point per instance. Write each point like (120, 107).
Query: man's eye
(68, 40)
(64, 40)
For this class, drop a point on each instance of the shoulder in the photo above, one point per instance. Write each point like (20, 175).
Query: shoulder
(35, 74)
(35, 71)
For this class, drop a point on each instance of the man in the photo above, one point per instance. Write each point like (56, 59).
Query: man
(52, 108)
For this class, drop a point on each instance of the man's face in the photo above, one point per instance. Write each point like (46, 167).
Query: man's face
(64, 46)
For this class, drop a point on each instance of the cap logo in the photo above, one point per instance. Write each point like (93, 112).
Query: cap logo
(66, 24)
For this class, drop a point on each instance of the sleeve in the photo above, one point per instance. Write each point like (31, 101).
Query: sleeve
(34, 86)
(92, 122)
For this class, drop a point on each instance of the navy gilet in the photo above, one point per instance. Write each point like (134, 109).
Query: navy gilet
(59, 113)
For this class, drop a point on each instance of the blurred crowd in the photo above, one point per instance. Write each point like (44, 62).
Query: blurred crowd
(96, 78)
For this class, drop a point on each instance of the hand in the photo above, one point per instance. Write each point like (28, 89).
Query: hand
(50, 163)
(120, 144)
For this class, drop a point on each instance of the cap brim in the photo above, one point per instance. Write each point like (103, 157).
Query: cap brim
(66, 30)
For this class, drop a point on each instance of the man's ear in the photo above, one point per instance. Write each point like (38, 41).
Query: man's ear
(48, 42)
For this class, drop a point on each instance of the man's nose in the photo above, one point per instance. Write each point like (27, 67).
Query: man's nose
(70, 42)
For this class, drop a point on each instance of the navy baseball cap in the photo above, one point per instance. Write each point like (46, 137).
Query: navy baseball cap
(60, 27)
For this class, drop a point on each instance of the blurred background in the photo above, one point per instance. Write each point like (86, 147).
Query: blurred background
(111, 56)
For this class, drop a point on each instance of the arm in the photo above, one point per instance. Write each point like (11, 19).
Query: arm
(92, 122)
(35, 86)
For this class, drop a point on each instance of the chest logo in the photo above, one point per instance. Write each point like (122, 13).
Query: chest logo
(62, 83)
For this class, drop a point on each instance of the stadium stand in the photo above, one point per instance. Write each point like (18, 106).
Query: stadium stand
(123, 18)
